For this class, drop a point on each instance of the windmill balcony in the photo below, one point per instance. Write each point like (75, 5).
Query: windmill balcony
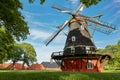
(57, 55)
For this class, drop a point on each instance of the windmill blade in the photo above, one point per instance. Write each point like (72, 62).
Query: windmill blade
(58, 27)
(56, 33)
(64, 10)
(101, 27)
(99, 15)
(65, 23)
(80, 8)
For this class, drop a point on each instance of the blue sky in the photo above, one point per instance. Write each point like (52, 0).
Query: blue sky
(42, 21)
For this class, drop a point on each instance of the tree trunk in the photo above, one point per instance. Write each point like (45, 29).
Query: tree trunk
(12, 68)
(23, 65)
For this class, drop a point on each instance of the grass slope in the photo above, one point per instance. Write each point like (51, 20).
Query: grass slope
(57, 75)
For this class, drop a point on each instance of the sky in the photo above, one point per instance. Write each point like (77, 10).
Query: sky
(42, 21)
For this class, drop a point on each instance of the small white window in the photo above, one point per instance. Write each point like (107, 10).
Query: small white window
(89, 64)
(82, 27)
(72, 49)
(63, 63)
(73, 38)
(87, 49)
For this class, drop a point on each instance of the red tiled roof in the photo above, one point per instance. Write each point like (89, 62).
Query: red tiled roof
(17, 66)
(4, 65)
(36, 67)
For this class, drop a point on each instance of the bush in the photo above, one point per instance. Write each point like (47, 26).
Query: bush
(4, 69)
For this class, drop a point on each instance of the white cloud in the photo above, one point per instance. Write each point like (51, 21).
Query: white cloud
(26, 13)
(38, 23)
(44, 24)
(44, 52)
(74, 2)
(30, 13)
(117, 1)
(115, 17)
(114, 5)
(39, 34)
(43, 35)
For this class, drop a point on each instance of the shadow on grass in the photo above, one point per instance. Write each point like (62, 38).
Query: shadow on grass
(56, 75)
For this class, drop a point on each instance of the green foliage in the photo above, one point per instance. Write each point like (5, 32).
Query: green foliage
(31, 1)
(6, 45)
(29, 54)
(18, 51)
(57, 75)
(4, 69)
(42, 1)
(88, 3)
(113, 63)
(12, 20)
(17, 54)
(23, 52)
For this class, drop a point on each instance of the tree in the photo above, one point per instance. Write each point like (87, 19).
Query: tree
(88, 3)
(118, 44)
(23, 52)
(17, 54)
(113, 63)
(6, 45)
(12, 20)
(29, 54)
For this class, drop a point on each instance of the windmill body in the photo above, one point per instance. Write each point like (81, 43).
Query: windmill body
(78, 39)
(80, 53)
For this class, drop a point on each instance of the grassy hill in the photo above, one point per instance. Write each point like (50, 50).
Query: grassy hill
(57, 75)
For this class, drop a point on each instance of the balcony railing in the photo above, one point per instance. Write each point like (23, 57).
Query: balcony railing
(60, 53)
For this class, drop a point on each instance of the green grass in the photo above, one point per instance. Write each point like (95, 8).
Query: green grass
(57, 75)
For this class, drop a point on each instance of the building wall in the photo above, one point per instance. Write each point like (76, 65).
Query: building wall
(80, 65)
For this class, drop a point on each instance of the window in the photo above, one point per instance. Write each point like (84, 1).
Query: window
(73, 38)
(87, 49)
(82, 27)
(63, 63)
(89, 64)
(72, 49)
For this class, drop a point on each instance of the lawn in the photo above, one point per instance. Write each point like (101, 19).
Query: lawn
(57, 75)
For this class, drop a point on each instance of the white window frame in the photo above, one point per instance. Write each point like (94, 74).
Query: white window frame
(63, 64)
(73, 38)
(72, 49)
(90, 64)
(82, 27)
(87, 49)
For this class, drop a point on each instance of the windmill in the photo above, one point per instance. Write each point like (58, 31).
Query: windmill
(80, 53)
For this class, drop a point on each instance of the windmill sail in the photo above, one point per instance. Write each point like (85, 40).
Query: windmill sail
(65, 23)
(101, 27)
(56, 33)
(64, 10)
(81, 9)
